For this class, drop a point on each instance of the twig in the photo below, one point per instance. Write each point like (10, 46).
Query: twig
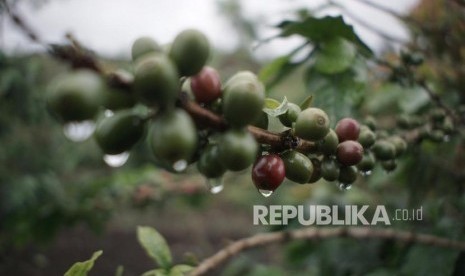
(313, 233)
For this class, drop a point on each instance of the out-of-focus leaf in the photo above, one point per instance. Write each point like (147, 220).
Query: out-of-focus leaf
(155, 245)
(427, 260)
(334, 56)
(275, 108)
(269, 71)
(323, 29)
(82, 268)
(180, 270)
(156, 272)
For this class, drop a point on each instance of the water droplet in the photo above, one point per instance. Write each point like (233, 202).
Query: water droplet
(344, 186)
(366, 173)
(265, 193)
(108, 113)
(79, 131)
(180, 165)
(116, 160)
(215, 185)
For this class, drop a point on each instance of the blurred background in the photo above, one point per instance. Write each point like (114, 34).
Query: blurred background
(61, 199)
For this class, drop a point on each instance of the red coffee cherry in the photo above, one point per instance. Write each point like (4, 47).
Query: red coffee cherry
(206, 85)
(268, 172)
(347, 129)
(349, 153)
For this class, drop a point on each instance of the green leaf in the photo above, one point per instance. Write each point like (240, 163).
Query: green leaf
(156, 272)
(275, 108)
(427, 260)
(323, 29)
(119, 270)
(81, 268)
(155, 245)
(307, 102)
(334, 56)
(180, 270)
(272, 69)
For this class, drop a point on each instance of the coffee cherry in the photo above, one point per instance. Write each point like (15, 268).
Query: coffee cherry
(237, 149)
(209, 163)
(206, 85)
(368, 162)
(76, 96)
(384, 150)
(370, 122)
(367, 137)
(316, 174)
(329, 169)
(173, 136)
(190, 51)
(349, 153)
(156, 80)
(288, 118)
(298, 167)
(268, 172)
(399, 144)
(389, 165)
(262, 121)
(347, 175)
(347, 129)
(119, 132)
(329, 143)
(312, 124)
(241, 76)
(243, 101)
(143, 46)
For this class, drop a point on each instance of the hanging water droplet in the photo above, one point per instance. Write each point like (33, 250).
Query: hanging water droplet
(116, 160)
(180, 165)
(108, 113)
(344, 186)
(215, 185)
(366, 173)
(265, 193)
(79, 131)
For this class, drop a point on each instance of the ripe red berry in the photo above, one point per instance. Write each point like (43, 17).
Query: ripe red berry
(349, 153)
(206, 85)
(347, 129)
(268, 172)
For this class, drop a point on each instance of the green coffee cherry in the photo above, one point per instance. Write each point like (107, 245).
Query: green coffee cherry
(330, 169)
(143, 46)
(367, 137)
(312, 124)
(237, 149)
(288, 118)
(368, 162)
(156, 80)
(209, 163)
(298, 167)
(76, 96)
(241, 76)
(173, 136)
(389, 165)
(119, 132)
(190, 51)
(243, 101)
(316, 174)
(370, 122)
(262, 121)
(328, 145)
(384, 150)
(399, 143)
(347, 175)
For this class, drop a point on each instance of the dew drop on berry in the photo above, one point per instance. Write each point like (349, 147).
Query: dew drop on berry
(344, 186)
(265, 193)
(180, 165)
(367, 173)
(116, 160)
(215, 185)
(79, 131)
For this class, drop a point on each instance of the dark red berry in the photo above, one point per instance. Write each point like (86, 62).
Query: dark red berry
(349, 153)
(268, 172)
(206, 85)
(347, 129)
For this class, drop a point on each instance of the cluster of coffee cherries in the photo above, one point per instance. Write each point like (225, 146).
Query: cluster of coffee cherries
(148, 107)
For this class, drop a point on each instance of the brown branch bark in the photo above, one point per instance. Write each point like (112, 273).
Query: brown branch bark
(314, 233)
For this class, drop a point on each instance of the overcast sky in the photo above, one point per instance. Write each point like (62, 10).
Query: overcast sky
(110, 26)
